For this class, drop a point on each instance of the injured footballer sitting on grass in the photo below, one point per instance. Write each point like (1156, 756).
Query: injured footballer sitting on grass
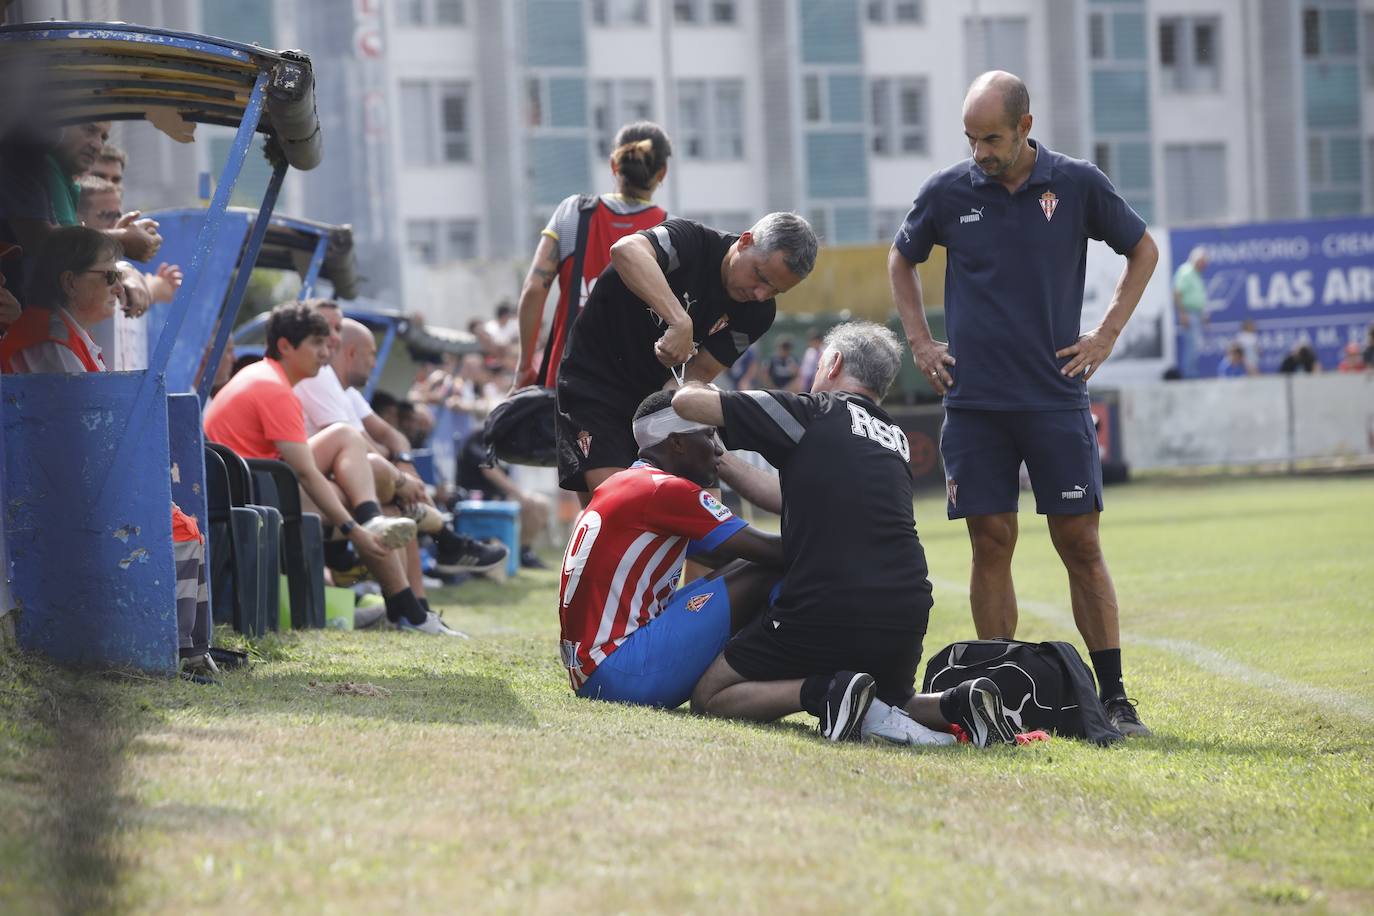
(627, 636)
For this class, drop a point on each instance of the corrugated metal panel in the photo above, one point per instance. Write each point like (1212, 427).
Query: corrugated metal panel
(1067, 114)
(499, 92)
(1280, 136)
(777, 84)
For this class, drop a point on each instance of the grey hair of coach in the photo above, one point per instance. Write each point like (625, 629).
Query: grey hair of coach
(790, 234)
(872, 354)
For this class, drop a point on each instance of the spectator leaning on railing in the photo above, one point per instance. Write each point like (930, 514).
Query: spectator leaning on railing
(40, 193)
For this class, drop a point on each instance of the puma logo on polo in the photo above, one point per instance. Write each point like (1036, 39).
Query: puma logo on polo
(973, 216)
(1076, 493)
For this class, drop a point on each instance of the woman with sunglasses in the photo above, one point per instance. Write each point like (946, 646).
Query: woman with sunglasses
(74, 284)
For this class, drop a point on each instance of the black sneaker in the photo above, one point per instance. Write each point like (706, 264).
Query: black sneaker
(976, 707)
(530, 560)
(1121, 713)
(464, 554)
(851, 693)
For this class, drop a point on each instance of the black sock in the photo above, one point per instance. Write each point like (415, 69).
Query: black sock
(1107, 665)
(949, 709)
(405, 604)
(813, 691)
(366, 512)
(424, 603)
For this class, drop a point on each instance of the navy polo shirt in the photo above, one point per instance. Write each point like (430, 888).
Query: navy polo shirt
(1014, 280)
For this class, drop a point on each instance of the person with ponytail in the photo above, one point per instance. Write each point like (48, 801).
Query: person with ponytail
(575, 246)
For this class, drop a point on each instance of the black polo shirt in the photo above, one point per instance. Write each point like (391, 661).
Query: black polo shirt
(850, 550)
(610, 353)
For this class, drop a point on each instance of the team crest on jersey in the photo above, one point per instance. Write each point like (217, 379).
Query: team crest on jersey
(714, 506)
(584, 442)
(697, 602)
(953, 489)
(721, 324)
(1047, 204)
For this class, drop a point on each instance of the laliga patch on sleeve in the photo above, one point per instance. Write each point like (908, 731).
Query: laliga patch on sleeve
(714, 506)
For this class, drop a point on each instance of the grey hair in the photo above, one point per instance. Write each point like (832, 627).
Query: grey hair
(871, 353)
(1199, 253)
(790, 234)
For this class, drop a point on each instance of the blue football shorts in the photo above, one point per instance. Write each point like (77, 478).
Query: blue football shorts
(660, 663)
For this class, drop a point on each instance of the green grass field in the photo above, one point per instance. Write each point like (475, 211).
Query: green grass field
(359, 772)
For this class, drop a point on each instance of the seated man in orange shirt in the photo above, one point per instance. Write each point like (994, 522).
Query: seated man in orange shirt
(258, 415)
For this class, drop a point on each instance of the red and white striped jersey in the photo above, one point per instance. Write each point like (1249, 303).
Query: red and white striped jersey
(624, 558)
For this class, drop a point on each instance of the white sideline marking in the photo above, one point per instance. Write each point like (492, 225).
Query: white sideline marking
(1207, 659)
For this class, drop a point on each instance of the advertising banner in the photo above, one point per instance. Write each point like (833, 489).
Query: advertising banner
(1300, 282)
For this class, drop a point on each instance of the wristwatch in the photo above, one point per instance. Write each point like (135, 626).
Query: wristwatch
(347, 527)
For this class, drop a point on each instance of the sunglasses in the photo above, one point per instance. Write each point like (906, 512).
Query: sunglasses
(111, 276)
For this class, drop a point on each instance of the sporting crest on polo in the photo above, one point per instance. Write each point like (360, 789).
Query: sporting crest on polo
(721, 324)
(697, 602)
(1048, 202)
(584, 442)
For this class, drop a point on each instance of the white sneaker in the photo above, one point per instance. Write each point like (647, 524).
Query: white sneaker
(433, 626)
(893, 726)
(393, 532)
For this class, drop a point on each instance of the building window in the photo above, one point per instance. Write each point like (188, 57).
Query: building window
(434, 241)
(900, 12)
(620, 12)
(725, 220)
(1195, 181)
(421, 13)
(1329, 31)
(1189, 56)
(1097, 36)
(710, 119)
(886, 222)
(898, 111)
(704, 12)
(813, 98)
(1335, 173)
(439, 119)
(996, 43)
(1369, 49)
(619, 102)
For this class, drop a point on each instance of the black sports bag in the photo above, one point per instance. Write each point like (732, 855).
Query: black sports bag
(520, 429)
(1044, 685)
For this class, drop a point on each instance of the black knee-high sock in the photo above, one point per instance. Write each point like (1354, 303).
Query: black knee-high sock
(813, 691)
(1107, 665)
(405, 604)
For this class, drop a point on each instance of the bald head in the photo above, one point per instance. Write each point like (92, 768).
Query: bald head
(998, 87)
(357, 353)
(997, 124)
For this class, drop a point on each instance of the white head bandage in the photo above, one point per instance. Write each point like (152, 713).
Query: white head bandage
(652, 429)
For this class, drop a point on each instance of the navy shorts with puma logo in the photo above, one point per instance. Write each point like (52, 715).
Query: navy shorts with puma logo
(983, 451)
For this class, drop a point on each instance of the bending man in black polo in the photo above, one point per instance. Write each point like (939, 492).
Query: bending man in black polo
(848, 620)
(680, 297)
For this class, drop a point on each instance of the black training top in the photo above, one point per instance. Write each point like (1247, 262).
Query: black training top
(611, 348)
(851, 554)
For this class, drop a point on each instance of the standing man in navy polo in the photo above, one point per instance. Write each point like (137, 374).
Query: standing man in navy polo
(1015, 219)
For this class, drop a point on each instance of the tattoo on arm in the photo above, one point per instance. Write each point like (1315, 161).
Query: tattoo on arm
(545, 274)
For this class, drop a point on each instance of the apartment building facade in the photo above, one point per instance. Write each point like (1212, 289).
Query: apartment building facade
(453, 127)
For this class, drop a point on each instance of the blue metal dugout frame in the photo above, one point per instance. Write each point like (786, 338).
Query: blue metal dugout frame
(246, 241)
(92, 462)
